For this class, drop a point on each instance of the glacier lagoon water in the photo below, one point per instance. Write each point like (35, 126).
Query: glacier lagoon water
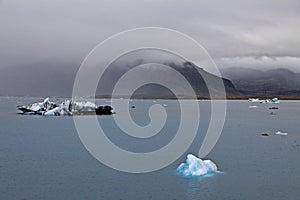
(43, 158)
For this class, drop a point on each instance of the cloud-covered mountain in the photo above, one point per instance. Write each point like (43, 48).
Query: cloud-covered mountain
(193, 74)
(264, 83)
(53, 79)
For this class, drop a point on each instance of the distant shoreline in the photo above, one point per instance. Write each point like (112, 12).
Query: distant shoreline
(231, 97)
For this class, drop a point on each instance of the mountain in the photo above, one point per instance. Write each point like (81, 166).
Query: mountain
(56, 79)
(279, 82)
(192, 73)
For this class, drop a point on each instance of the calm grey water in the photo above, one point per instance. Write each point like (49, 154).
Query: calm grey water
(43, 158)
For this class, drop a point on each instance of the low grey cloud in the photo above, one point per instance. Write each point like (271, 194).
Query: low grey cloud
(261, 63)
(36, 31)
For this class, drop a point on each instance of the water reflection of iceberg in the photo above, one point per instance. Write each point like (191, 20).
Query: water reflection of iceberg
(67, 107)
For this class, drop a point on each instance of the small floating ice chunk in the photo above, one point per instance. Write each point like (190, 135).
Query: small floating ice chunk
(281, 133)
(196, 167)
(253, 100)
(252, 106)
(275, 100)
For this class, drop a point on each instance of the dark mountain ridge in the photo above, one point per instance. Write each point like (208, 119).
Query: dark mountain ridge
(280, 82)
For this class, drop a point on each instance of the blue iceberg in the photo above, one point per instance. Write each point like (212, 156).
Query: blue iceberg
(196, 167)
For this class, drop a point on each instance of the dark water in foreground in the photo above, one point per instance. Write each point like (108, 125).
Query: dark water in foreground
(43, 158)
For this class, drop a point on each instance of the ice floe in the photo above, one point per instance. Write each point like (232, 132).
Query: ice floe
(270, 101)
(267, 101)
(196, 167)
(281, 133)
(254, 100)
(252, 106)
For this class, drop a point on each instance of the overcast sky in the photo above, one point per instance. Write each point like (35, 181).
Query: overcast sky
(236, 33)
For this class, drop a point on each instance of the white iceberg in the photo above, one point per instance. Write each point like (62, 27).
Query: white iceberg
(281, 133)
(270, 101)
(253, 100)
(275, 100)
(196, 167)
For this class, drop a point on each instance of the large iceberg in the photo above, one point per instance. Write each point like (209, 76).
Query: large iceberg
(196, 167)
(67, 107)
